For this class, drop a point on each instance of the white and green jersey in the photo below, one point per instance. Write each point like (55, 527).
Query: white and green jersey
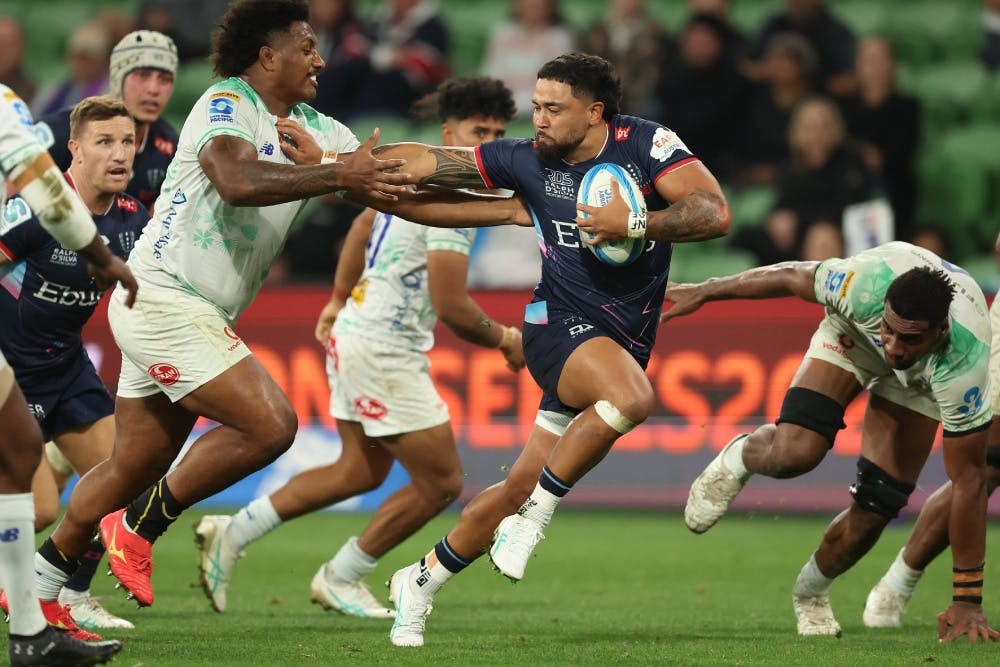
(198, 243)
(391, 302)
(955, 374)
(17, 140)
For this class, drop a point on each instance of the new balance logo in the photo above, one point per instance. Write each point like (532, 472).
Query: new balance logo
(578, 329)
(10, 535)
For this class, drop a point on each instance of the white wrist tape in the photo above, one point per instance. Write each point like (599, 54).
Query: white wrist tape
(329, 157)
(60, 210)
(637, 225)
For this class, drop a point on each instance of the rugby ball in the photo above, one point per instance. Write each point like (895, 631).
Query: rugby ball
(595, 190)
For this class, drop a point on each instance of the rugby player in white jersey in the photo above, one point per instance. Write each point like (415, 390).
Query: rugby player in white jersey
(400, 278)
(23, 160)
(912, 329)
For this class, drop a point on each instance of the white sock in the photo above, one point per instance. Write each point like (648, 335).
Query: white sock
(350, 563)
(540, 506)
(49, 579)
(901, 577)
(428, 581)
(251, 523)
(733, 458)
(811, 582)
(17, 551)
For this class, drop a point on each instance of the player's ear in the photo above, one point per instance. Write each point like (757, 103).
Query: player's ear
(596, 112)
(74, 148)
(447, 134)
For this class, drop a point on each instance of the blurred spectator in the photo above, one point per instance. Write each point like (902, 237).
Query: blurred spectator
(831, 39)
(824, 174)
(116, 22)
(339, 31)
(990, 54)
(934, 240)
(403, 55)
(822, 240)
(87, 54)
(534, 34)
(887, 123)
(188, 22)
(12, 72)
(776, 240)
(789, 65)
(702, 94)
(141, 72)
(736, 42)
(637, 44)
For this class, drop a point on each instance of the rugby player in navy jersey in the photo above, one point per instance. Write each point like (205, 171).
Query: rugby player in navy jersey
(590, 327)
(46, 299)
(31, 171)
(141, 72)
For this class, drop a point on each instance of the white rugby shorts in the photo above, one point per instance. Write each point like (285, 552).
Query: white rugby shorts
(171, 341)
(995, 354)
(388, 389)
(837, 343)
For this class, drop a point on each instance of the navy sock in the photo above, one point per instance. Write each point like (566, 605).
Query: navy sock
(151, 513)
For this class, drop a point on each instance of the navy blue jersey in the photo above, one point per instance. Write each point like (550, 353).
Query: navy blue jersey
(152, 157)
(624, 301)
(47, 294)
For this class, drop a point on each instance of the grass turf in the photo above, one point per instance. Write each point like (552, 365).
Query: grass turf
(603, 588)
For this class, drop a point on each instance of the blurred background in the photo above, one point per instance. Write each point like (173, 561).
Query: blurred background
(833, 125)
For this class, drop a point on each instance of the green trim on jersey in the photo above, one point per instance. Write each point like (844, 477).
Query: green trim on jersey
(313, 119)
(10, 160)
(963, 353)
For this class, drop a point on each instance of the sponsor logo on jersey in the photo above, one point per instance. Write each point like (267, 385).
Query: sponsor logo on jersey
(15, 211)
(178, 200)
(232, 335)
(222, 107)
(126, 204)
(126, 240)
(665, 143)
(63, 257)
(370, 408)
(621, 133)
(64, 295)
(559, 184)
(845, 341)
(834, 281)
(973, 401)
(164, 373)
(165, 146)
(578, 329)
(267, 148)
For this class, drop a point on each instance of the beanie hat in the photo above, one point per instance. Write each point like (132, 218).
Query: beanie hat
(141, 48)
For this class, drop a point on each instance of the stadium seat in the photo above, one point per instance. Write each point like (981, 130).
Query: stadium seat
(862, 17)
(983, 267)
(690, 265)
(750, 205)
(950, 93)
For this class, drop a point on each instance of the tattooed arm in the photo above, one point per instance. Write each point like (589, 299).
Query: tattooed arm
(447, 166)
(698, 210)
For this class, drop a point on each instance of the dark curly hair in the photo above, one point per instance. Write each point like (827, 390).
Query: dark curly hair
(249, 25)
(921, 293)
(465, 97)
(588, 76)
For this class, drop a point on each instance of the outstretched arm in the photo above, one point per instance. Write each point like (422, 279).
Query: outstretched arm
(350, 266)
(447, 166)
(965, 463)
(765, 282)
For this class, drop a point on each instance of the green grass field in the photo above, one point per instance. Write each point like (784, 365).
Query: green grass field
(602, 589)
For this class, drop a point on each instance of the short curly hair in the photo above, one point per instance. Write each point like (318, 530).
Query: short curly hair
(464, 97)
(588, 76)
(249, 25)
(922, 293)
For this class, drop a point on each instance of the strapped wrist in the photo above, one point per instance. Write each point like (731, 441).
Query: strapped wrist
(637, 225)
(506, 337)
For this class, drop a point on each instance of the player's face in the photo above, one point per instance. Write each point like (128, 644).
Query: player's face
(905, 342)
(296, 64)
(472, 131)
(103, 154)
(146, 92)
(561, 120)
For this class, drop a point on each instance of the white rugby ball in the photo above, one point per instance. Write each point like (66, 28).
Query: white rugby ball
(595, 190)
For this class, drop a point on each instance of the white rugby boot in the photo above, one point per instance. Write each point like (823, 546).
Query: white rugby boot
(217, 558)
(513, 542)
(88, 612)
(884, 607)
(349, 598)
(815, 616)
(413, 605)
(712, 491)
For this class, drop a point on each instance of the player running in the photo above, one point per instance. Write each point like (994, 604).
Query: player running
(386, 405)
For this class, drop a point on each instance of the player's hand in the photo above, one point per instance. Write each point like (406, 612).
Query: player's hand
(367, 175)
(327, 317)
(513, 351)
(685, 297)
(521, 216)
(965, 619)
(107, 269)
(606, 223)
(296, 143)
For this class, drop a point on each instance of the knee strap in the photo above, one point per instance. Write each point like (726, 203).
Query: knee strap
(613, 417)
(812, 410)
(879, 492)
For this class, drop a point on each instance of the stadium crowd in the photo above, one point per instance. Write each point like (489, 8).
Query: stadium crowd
(805, 108)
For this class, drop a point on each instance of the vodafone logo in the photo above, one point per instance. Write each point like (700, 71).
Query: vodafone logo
(845, 341)
(369, 408)
(165, 374)
(232, 335)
